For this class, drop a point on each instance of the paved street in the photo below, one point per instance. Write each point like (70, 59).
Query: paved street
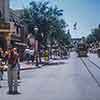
(69, 80)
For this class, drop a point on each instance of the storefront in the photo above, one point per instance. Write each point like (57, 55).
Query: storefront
(5, 35)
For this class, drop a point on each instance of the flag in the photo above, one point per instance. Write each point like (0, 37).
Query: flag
(75, 26)
(67, 25)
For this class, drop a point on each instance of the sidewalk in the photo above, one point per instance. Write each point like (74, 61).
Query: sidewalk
(29, 66)
(25, 66)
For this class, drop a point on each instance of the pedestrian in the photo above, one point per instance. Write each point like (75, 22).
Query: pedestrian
(1, 75)
(27, 55)
(1, 62)
(1, 70)
(0, 80)
(40, 55)
(1, 54)
(46, 56)
(6, 57)
(32, 57)
(17, 64)
(12, 73)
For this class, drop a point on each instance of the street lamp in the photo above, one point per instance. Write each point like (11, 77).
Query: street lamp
(36, 44)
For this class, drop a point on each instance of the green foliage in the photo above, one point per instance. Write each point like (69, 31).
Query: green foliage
(48, 19)
(67, 38)
(95, 35)
(91, 38)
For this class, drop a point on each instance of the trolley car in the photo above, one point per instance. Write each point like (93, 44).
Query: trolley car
(82, 50)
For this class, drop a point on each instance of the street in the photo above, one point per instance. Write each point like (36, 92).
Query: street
(49, 50)
(68, 80)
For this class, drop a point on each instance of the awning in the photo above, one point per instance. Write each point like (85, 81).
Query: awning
(20, 44)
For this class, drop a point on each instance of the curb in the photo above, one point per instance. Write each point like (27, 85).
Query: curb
(37, 67)
(29, 68)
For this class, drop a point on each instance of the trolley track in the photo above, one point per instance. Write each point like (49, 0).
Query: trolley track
(92, 74)
(94, 64)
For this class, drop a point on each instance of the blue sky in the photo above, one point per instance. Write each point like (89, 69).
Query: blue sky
(85, 12)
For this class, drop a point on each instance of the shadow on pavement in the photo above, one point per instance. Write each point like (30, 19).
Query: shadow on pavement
(17, 93)
(43, 63)
(64, 58)
(53, 63)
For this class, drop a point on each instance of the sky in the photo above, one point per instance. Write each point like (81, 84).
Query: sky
(85, 12)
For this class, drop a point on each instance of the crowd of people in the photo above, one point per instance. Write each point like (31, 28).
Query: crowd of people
(45, 54)
(93, 47)
(10, 61)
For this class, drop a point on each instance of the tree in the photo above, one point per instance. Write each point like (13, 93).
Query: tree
(67, 38)
(90, 38)
(95, 35)
(48, 19)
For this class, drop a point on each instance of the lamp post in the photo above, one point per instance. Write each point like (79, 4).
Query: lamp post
(36, 44)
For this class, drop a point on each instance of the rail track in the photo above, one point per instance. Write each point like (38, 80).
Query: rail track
(85, 61)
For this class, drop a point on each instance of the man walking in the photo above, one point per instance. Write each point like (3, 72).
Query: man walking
(17, 63)
(12, 72)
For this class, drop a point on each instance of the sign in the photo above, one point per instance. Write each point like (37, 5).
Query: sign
(7, 27)
(4, 26)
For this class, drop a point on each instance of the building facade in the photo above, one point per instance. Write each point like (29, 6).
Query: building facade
(11, 30)
(4, 9)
